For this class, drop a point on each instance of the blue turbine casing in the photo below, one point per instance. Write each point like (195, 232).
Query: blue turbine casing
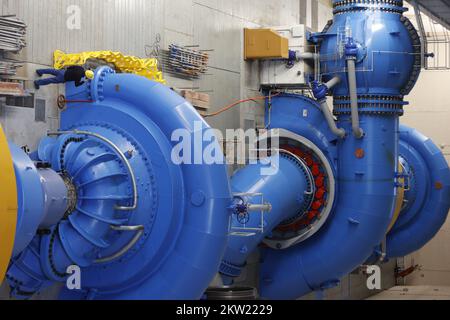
(184, 208)
(386, 50)
(186, 222)
(428, 198)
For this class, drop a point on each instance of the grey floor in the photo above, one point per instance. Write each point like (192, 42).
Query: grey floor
(414, 293)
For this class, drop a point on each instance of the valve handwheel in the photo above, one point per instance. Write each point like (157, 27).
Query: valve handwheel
(61, 101)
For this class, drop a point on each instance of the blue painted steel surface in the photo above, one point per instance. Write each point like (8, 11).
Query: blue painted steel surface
(184, 208)
(302, 115)
(284, 189)
(428, 201)
(366, 167)
(359, 222)
(386, 54)
(56, 201)
(30, 198)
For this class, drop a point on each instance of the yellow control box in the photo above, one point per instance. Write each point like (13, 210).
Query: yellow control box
(265, 44)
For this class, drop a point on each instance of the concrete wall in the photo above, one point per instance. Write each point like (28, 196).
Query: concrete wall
(429, 112)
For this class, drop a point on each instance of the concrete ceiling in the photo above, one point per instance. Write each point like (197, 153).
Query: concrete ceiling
(438, 10)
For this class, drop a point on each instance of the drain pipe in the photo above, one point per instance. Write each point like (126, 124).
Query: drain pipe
(320, 93)
(351, 52)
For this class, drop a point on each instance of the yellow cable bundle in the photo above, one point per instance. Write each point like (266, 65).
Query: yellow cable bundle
(128, 64)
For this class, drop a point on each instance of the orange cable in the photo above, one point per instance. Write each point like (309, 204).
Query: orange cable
(234, 104)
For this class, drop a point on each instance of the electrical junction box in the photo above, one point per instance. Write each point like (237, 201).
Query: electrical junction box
(265, 44)
(280, 73)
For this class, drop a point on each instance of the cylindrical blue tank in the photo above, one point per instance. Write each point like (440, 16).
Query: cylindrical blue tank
(43, 197)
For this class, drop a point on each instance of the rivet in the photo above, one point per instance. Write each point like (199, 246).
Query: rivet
(439, 185)
(198, 198)
(359, 153)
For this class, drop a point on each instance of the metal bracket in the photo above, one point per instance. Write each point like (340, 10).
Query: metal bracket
(246, 209)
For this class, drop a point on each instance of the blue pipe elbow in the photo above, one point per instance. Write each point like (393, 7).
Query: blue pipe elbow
(284, 187)
(428, 198)
(365, 204)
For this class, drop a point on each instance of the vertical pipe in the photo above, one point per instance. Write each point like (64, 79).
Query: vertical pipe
(351, 69)
(330, 120)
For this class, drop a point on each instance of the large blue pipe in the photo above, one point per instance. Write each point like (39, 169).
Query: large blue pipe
(284, 187)
(362, 215)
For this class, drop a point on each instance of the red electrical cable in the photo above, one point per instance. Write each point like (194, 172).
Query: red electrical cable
(234, 104)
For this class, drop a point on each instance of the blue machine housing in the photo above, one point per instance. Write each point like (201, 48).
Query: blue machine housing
(183, 209)
(362, 214)
(285, 191)
(385, 47)
(141, 226)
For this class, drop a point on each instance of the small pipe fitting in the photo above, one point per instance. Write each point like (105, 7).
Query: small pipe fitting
(320, 91)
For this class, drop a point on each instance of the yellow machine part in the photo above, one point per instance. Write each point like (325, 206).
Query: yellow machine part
(399, 200)
(265, 44)
(127, 64)
(8, 205)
